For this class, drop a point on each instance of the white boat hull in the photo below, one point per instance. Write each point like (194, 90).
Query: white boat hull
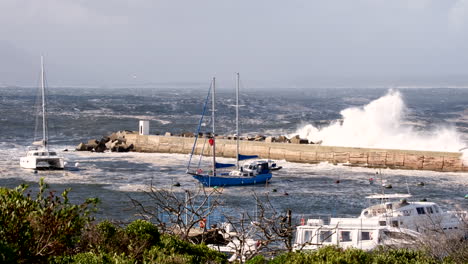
(56, 163)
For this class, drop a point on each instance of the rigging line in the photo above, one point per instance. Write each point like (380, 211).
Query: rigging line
(199, 126)
(201, 154)
(49, 122)
(46, 100)
(37, 108)
(203, 147)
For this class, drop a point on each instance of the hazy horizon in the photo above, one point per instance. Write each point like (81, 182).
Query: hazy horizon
(273, 44)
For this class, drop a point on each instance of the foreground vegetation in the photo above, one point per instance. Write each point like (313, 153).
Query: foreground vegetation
(47, 228)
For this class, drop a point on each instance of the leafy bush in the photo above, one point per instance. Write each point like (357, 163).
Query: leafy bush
(173, 250)
(144, 230)
(32, 230)
(93, 258)
(332, 254)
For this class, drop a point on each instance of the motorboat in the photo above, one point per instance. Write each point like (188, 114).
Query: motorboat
(393, 220)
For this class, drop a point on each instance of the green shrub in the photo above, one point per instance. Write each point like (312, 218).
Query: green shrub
(259, 259)
(397, 256)
(93, 258)
(143, 230)
(173, 250)
(332, 254)
(35, 229)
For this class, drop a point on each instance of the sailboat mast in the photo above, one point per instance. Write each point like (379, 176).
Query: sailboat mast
(237, 119)
(213, 121)
(44, 131)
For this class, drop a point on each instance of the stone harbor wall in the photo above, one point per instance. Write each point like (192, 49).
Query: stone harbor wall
(300, 152)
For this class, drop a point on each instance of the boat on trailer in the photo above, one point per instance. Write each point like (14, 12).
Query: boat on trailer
(39, 156)
(392, 221)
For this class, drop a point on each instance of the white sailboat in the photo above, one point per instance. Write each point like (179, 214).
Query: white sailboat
(39, 156)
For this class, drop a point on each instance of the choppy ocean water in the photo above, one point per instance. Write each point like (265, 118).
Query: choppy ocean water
(435, 119)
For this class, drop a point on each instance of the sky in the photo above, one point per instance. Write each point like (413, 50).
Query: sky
(272, 43)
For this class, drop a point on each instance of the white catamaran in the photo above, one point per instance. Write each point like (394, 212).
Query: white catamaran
(39, 156)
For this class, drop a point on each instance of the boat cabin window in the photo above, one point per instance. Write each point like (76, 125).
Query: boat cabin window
(382, 223)
(420, 210)
(52, 153)
(366, 235)
(429, 210)
(326, 236)
(389, 206)
(308, 235)
(345, 236)
(395, 223)
(36, 154)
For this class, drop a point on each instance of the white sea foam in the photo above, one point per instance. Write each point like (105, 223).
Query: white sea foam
(382, 124)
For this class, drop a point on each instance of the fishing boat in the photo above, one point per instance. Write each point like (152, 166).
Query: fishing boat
(391, 221)
(249, 173)
(39, 156)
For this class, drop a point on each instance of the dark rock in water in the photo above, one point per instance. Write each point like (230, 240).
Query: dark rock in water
(423, 200)
(337, 181)
(388, 186)
(100, 147)
(274, 190)
(177, 184)
(35, 171)
(420, 183)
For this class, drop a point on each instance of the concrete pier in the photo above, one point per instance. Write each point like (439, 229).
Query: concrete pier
(306, 153)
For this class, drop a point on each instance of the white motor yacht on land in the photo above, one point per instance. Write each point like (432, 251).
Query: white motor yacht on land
(39, 156)
(396, 223)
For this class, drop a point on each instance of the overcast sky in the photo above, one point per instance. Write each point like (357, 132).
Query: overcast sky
(272, 43)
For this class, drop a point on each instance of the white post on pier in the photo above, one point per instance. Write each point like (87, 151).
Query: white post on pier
(144, 127)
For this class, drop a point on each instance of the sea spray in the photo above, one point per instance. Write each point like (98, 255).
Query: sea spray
(381, 124)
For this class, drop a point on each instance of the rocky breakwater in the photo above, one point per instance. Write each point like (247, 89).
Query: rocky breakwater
(296, 149)
(116, 142)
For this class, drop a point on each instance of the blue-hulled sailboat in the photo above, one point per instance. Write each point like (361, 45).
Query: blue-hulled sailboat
(253, 172)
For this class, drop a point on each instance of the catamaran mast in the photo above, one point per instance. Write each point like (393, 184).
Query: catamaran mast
(44, 131)
(213, 121)
(237, 120)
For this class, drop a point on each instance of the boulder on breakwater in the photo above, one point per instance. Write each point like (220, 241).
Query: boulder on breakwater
(115, 142)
